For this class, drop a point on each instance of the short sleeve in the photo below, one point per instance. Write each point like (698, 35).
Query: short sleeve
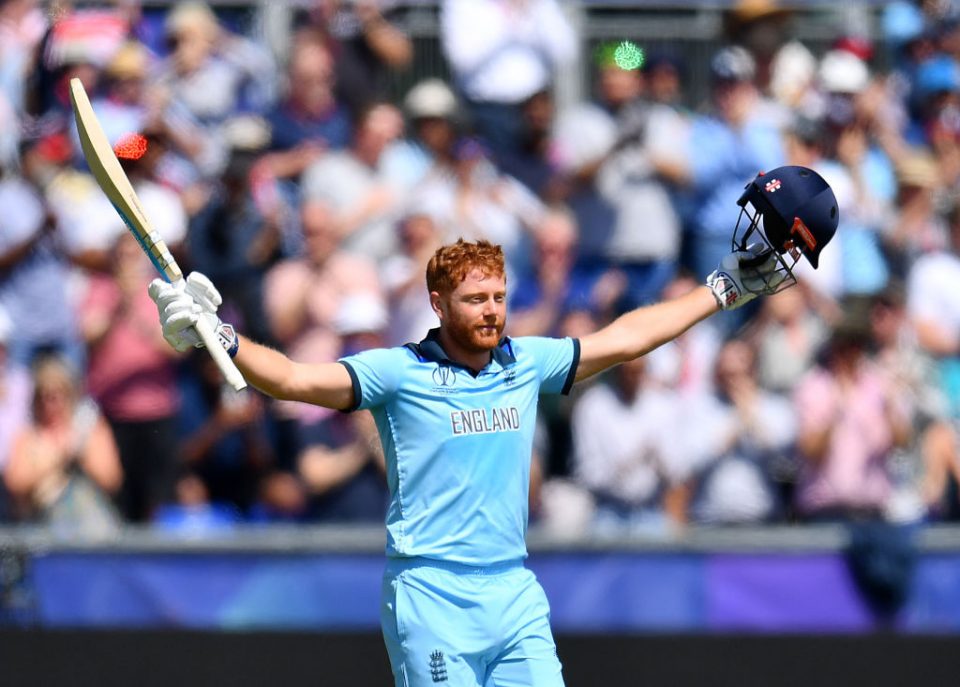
(556, 361)
(376, 375)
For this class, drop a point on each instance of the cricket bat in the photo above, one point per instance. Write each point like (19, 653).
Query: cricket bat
(113, 181)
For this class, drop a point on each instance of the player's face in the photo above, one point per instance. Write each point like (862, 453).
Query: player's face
(475, 313)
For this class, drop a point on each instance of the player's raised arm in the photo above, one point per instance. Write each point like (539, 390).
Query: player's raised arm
(270, 371)
(790, 211)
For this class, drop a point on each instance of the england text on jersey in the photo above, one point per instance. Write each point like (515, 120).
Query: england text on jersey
(485, 420)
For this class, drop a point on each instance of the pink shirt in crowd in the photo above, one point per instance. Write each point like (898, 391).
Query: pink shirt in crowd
(131, 372)
(853, 474)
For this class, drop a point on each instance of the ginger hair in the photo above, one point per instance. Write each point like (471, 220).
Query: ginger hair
(451, 264)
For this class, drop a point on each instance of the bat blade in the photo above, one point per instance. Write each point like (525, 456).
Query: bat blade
(116, 186)
(113, 181)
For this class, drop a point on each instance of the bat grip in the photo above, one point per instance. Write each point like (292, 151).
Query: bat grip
(219, 355)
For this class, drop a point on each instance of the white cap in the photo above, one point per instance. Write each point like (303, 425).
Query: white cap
(431, 98)
(843, 72)
(359, 313)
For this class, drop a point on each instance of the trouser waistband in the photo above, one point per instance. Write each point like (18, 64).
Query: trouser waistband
(397, 565)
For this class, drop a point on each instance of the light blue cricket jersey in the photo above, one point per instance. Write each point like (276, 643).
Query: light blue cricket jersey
(458, 446)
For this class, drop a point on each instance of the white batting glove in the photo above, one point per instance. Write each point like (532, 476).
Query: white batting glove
(744, 275)
(182, 305)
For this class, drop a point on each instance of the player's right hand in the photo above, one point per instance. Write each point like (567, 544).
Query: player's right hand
(181, 305)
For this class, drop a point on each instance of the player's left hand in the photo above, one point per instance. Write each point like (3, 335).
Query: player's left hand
(743, 275)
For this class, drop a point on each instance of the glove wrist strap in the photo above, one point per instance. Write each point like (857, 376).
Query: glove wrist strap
(227, 336)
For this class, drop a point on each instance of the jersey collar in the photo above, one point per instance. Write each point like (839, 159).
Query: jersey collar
(430, 350)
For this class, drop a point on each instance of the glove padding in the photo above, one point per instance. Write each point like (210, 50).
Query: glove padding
(743, 275)
(182, 305)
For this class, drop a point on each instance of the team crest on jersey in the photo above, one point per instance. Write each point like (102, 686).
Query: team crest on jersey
(438, 667)
(510, 377)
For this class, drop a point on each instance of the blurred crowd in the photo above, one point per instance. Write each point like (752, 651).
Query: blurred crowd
(312, 195)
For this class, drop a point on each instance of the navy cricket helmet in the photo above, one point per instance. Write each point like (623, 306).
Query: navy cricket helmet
(793, 211)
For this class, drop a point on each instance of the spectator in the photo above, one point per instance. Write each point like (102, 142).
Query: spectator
(727, 146)
(242, 229)
(64, 467)
(922, 471)
(213, 73)
(355, 185)
(665, 73)
(90, 241)
(224, 439)
(33, 269)
(302, 296)
(916, 226)
(368, 42)
(850, 421)
(627, 454)
(128, 103)
(533, 161)
(409, 308)
(788, 334)
(23, 24)
(308, 120)
(743, 438)
(191, 513)
(477, 201)
(15, 394)
(933, 307)
(542, 298)
(131, 374)
(501, 52)
(342, 463)
(686, 363)
(636, 180)
(434, 117)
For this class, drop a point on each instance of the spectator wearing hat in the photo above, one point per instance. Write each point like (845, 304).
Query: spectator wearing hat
(501, 53)
(729, 143)
(434, 122)
(917, 226)
(762, 27)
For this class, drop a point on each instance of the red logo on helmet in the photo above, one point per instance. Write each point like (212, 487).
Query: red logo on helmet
(800, 228)
(772, 186)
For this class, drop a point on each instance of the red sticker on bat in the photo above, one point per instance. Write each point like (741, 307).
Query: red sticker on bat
(130, 147)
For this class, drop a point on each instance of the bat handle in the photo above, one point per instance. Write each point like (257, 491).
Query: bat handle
(219, 355)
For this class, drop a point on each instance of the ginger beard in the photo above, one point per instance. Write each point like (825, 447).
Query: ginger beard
(476, 327)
